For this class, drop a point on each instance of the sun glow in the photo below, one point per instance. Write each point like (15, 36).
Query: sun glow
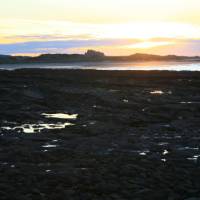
(27, 30)
(146, 45)
(143, 24)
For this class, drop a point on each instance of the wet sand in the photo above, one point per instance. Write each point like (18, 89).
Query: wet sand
(118, 135)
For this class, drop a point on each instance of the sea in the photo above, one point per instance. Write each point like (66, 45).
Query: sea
(147, 66)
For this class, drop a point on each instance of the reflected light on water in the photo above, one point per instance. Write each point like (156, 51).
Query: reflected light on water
(158, 92)
(35, 128)
(139, 65)
(49, 146)
(60, 116)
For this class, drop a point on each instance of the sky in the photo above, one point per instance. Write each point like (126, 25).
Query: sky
(116, 27)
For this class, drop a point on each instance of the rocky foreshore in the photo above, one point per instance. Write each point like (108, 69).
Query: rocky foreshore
(99, 135)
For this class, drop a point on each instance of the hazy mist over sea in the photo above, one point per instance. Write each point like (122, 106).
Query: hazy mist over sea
(169, 66)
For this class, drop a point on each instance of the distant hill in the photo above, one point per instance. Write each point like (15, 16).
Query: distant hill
(90, 56)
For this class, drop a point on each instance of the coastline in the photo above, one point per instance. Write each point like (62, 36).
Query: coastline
(136, 134)
(112, 66)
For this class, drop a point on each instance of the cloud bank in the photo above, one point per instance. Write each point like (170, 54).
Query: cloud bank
(119, 46)
(57, 46)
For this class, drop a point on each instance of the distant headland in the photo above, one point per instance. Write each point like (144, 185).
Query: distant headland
(91, 56)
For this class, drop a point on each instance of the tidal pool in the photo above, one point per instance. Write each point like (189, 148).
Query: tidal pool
(60, 116)
(36, 128)
(188, 148)
(163, 143)
(189, 102)
(194, 158)
(157, 92)
(165, 152)
(125, 100)
(49, 146)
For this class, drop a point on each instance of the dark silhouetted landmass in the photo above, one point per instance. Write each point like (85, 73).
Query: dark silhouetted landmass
(90, 56)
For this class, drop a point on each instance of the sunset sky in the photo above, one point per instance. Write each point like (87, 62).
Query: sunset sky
(117, 27)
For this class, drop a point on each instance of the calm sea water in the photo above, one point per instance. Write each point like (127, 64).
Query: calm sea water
(171, 66)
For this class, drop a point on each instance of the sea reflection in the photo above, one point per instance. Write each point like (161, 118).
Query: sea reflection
(169, 66)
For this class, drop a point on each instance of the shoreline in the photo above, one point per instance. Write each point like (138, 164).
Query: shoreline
(117, 135)
(110, 66)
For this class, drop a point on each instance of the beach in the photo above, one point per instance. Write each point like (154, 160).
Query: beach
(100, 135)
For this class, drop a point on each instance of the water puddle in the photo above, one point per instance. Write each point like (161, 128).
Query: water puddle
(189, 102)
(92, 122)
(163, 137)
(37, 128)
(166, 125)
(157, 92)
(163, 143)
(188, 148)
(125, 100)
(60, 116)
(177, 136)
(49, 146)
(165, 152)
(194, 158)
(143, 153)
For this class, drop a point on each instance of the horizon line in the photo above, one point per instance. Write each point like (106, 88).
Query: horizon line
(38, 55)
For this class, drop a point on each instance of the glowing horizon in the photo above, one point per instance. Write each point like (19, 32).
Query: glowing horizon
(126, 27)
